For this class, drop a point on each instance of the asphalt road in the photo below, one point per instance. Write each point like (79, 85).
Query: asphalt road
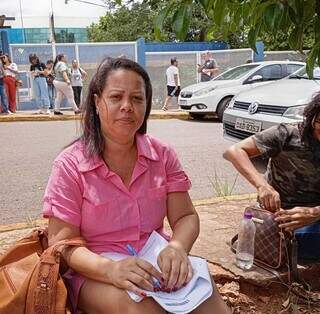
(27, 150)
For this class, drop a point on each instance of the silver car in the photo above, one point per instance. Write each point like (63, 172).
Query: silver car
(262, 107)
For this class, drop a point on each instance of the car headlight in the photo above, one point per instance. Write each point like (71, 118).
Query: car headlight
(203, 91)
(294, 112)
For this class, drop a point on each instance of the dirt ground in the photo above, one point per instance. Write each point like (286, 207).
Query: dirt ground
(247, 298)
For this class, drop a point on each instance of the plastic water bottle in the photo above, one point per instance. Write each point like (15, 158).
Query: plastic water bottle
(245, 248)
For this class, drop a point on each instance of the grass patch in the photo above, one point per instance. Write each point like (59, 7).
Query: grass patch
(222, 187)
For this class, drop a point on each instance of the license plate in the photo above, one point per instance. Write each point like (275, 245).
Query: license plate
(250, 126)
(182, 102)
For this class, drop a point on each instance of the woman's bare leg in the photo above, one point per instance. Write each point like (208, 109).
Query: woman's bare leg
(100, 298)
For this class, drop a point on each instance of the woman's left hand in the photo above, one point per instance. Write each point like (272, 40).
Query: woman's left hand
(175, 267)
(297, 217)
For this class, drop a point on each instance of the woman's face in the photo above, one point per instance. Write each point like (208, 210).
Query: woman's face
(34, 61)
(75, 63)
(122, 105)
(64, 58)
(5, 59)
(316, 127)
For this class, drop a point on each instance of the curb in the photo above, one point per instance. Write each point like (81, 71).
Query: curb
(209, 201)
(67, 117)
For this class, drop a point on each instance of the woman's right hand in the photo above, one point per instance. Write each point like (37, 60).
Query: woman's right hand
(133, 274)
(269, 198)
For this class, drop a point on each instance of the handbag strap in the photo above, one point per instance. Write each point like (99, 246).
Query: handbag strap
(42, 289)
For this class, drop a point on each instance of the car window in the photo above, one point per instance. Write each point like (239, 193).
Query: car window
(236, 73)
(291, 68)
(302, 74)
(269, 72)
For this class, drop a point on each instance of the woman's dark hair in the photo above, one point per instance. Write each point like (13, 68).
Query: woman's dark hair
(9, 59)
(57, 59)
(310, 113)
(32, 57)
(92, 134)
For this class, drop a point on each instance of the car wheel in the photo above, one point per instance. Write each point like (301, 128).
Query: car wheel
(196, 116)
(222, 106)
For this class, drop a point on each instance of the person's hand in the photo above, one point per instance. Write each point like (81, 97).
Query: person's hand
(175, 266)
(297, 217)
(133, 274)
(68, 82)
(269, 198)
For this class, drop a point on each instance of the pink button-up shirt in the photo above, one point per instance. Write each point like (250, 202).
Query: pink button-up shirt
(85, 193)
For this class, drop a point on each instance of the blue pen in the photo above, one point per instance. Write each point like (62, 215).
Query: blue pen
(133, 252)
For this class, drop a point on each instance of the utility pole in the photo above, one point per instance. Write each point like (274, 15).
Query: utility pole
(52, 32)
(22, 26)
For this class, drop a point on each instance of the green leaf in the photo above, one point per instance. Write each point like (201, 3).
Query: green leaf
(253, 34)
(295, 39)
(312, 58)
(159, 20)
(205, 3)
(258, 11)
(316, 27)
(181, 21)
(219, 11)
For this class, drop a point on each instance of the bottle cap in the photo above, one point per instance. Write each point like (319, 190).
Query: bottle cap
(248, 215)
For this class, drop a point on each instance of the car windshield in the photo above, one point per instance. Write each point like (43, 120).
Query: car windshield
(302, 74)
(236, 73)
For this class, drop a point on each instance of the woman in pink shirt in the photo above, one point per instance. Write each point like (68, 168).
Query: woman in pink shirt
(115, 185)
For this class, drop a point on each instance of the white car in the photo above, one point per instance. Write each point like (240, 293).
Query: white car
(213, 96)
(279, 102)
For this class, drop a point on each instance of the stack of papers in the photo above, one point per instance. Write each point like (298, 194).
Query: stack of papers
(185, 299)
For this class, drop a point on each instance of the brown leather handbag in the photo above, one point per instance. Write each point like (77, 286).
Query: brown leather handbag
(273, 247)
(30, 282)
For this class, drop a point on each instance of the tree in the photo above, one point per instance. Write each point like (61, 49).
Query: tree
(124, 24)
(290, 18)
(133, 20)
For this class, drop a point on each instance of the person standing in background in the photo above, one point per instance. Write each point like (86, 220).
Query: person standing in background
(62, 84)
(10, 70)
(40, 86)
(173, 82)
(50, 78)
(209, 69)
(3, 95)
(77, 77)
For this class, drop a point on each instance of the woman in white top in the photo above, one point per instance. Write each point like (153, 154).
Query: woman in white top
(77, 77)
(62, 84)
(11, 70)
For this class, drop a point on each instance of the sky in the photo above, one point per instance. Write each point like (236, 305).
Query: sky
(36, 12)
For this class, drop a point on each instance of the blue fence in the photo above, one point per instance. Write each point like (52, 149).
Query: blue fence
(185, 46)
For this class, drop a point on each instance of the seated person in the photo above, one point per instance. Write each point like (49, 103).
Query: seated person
(291, 187)
(115, 185)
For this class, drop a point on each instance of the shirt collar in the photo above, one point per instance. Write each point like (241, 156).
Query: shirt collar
(144, 147)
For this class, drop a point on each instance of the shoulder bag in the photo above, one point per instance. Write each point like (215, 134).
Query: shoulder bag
(30, 282)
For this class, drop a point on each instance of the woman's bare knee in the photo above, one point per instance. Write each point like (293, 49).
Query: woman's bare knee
(99, 298)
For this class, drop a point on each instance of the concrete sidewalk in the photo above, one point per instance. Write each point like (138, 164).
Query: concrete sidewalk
(254, 291)
(28, 115)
